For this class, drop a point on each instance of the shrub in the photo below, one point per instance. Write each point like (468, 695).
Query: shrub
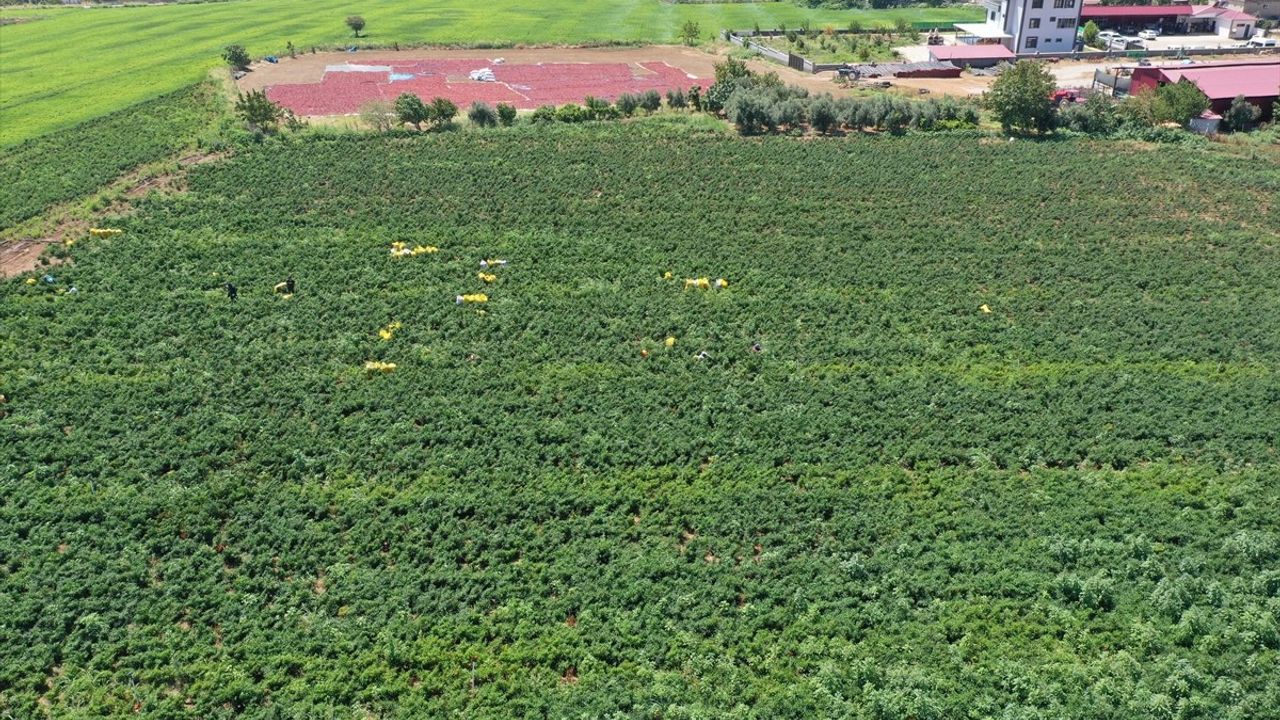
(543, 114)
(572, 113)
(356, 23)
(506, 114)
(676, 99)
(482, 114)
(1174, 103)
(600, 109)
(1091, 30)
(379, 115)
(690, 32)
(1095, 116)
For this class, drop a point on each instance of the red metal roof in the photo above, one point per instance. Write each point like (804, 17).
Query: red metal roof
(1212, 11)
(970, 52)
(1133, 11)
(1223, 82)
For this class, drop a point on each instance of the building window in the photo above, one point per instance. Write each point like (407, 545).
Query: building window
(1066, 23)
(1032, 42)
(1037, 4)
(991, 15)
(1064, 3)
(1033, 23)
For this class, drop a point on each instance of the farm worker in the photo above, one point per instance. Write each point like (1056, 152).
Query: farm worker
(288, 284)
(757, 347)
(986, 310)
(232, 292)
(722, 283)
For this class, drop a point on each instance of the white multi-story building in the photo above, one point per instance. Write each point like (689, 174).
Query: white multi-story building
(1031, 26)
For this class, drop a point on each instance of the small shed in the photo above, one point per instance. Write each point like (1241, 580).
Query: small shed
(1207, 123)
(971, 55)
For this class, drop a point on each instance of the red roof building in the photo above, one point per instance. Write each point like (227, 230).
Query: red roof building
(1223, 21)
(973, 55)
(1258, 82)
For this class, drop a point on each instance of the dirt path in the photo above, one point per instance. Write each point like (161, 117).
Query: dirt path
(23, 248)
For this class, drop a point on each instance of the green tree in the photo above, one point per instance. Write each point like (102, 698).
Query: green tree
(1095, 116)
(410, 109)
(650, 100)
(751, 111)
(482, 114)
(690, 33)
(257, 111)
(506, 114)
(1241, 115)
(1091, 30)
(1181, 101)
(731, 69)
(356, 23)
(1020, 98)
(823, 115)
(236, 56)
(627, 104)
(441, 112)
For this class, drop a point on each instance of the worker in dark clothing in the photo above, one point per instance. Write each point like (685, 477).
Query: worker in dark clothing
(288, 284)
(232, 293)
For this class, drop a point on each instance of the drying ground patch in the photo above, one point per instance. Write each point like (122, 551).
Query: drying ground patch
(339, 83)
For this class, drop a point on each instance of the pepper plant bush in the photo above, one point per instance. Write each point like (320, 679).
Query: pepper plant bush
(941, 448)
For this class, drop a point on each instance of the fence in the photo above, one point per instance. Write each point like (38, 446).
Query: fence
(803, 64)
(1136, 55)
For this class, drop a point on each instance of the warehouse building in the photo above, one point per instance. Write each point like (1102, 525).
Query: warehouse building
(1258, 82)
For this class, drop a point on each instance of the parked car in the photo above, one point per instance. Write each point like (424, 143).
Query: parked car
(1259, 41)
(1106, 36)
(1149, 34)
(1126, 43)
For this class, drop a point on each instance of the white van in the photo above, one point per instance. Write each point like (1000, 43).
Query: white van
(1259, 41)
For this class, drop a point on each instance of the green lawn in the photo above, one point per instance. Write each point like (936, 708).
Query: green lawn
(76, 64)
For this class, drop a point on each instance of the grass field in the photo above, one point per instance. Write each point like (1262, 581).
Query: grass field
(77, 64)
(970, 437)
